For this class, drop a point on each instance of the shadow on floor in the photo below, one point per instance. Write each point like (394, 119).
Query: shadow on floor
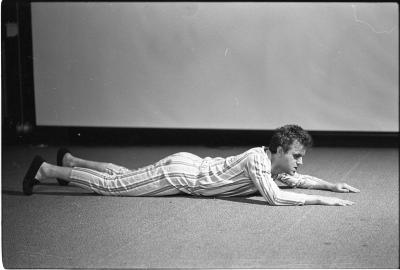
(38, 192)
(242, 199)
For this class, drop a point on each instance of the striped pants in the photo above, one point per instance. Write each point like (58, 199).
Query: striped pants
(165, 177)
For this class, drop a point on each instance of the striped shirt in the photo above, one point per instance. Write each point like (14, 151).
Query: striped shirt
(240, 175)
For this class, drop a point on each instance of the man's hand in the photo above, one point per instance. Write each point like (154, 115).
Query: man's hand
(324, 200)
(335, 201)
(111, 169)
(343, 187)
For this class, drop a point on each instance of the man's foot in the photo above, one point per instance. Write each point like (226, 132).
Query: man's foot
(63, 160)
(30, 176)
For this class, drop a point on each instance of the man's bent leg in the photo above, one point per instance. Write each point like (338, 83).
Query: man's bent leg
(142, 182)
(130, 183)
(71, 161)
(48, 170)
(151, 180)
(98, 182)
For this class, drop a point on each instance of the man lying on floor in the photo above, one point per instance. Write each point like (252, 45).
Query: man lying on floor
(248, 173)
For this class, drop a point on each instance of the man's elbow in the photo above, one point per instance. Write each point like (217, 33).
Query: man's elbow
(276, 203)
(274, 200)
(277, 200)
(273, 203)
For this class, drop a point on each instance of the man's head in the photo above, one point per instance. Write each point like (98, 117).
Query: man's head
(289, 144)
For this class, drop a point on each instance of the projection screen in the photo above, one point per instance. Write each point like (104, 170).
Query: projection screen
(256, 66)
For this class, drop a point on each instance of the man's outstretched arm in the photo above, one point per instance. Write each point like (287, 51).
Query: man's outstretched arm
(261, 176)
(324, 200)
(311, 182)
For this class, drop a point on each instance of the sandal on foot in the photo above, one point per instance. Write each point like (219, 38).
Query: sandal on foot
(60, 155)
(29, 179)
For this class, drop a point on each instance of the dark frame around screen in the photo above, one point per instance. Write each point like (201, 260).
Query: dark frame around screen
(24, 106)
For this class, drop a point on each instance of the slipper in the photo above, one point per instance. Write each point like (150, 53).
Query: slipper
(60, 154)
(29, 179)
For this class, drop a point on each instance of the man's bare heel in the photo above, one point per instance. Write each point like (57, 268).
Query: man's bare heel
(60, 155)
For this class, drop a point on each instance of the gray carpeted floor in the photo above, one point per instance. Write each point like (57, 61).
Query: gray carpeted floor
(66, 227)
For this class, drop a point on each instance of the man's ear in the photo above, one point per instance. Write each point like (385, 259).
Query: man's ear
(280, 151)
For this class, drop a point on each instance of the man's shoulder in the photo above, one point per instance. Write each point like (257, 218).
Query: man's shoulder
(258, 152)
(249, 155)
(257, 159)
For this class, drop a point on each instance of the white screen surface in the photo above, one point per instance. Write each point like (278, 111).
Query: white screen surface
(216, 65)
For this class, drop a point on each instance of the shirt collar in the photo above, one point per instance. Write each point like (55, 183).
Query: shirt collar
(267, 152)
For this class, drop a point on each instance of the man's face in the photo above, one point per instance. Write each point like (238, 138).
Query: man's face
(292, 159)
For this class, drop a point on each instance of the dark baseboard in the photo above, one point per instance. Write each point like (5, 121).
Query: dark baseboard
(155, 136)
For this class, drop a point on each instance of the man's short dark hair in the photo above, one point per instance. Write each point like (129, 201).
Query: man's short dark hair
(286, 135)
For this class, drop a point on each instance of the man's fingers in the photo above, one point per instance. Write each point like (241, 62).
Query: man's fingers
(342, 189)
(336, 201)
(345, 203)
(350, 188)
(109, 171)
(349, 202)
